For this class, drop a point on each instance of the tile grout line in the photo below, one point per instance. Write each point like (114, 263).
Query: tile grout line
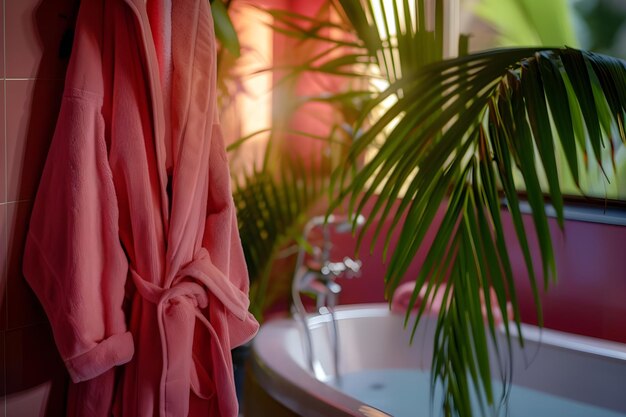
(6, 185)
(39, 323)
(6, 203)
(33, 79)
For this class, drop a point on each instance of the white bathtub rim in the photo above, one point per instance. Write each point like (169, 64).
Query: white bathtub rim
(285, 385)
(570, 341)
(541, 335)
(283, 376)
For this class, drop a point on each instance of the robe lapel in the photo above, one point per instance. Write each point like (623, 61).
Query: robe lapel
(192, 54)
(193, 110)
(156, 98)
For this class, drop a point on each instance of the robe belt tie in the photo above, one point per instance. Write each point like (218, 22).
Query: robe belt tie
(178, 308)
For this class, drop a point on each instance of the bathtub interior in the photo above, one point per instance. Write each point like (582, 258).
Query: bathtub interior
(367, 335)
(573, 367)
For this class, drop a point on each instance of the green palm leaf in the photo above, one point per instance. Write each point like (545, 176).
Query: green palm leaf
(224, 29)
(492, 120)
(272, 206)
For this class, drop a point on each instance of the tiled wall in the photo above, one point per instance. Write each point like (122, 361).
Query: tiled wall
(32, 67)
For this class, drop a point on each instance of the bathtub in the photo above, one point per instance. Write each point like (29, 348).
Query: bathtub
(557, 374)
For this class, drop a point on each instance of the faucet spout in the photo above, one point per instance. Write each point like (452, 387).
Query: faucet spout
(318, 278)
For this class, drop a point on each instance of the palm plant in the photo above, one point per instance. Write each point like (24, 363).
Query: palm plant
(271, 211)
(458, 134)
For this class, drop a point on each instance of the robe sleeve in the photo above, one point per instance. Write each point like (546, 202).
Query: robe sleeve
(221, 238)
(73, 258)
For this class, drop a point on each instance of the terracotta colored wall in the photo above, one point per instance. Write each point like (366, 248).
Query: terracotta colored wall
(32, 379)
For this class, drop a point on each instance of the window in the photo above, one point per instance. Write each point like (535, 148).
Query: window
(598, 25)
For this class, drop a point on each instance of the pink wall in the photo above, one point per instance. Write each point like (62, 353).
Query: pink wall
(32, 377)
(314, 118)
(589, 297)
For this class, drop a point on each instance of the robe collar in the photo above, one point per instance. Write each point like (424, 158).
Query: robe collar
(195, 53)
(158, 121)
(191, 48)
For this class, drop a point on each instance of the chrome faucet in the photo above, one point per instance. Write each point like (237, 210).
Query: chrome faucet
(318, 277)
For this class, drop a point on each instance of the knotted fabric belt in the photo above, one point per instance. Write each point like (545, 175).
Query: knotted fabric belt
(178, 308)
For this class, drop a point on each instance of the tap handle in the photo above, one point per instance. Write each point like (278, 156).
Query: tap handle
(352, 267)
(326, 292)
(330, 297)
(323, 287)
(333, 269)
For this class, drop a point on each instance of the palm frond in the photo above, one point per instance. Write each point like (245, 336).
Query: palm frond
(498, 111)
(272, 206)
(224, 29)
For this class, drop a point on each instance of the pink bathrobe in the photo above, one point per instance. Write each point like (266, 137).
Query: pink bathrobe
(142, 276)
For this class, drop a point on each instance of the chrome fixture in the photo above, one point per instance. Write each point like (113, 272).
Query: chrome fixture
(318, 277)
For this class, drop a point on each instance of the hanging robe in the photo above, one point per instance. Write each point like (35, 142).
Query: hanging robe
(141, 273)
